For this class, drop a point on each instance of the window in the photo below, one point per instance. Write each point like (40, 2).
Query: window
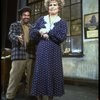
(38, 9)
(72, 14)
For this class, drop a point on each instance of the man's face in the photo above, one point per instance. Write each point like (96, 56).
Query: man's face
(25, 17)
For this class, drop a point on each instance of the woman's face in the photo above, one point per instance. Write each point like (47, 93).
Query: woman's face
(53, 8)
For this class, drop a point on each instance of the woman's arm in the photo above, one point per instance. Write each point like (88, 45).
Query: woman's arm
(34, 31)
(59, 32)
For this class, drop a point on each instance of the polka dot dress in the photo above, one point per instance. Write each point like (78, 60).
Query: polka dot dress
(48, 72)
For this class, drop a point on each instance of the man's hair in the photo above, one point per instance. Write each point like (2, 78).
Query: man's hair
(24, 9)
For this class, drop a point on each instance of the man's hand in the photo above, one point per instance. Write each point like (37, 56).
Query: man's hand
(20, 38)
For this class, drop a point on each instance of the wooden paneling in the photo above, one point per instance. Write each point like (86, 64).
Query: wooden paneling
(5, 69)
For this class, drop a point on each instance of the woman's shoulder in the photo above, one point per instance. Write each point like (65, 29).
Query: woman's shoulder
(63, 21)
(41, 18)
(38, 20)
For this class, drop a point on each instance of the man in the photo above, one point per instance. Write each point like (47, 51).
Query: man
(22, 60)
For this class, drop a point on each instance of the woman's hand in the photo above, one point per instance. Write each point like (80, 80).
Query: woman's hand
(43, 31)
(46, 36)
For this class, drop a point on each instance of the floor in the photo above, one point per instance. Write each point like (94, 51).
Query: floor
(72, 92)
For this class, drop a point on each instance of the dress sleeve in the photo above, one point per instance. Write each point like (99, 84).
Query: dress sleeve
(59, 33)
(34, 31)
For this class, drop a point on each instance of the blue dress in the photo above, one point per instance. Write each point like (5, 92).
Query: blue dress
(48, 71)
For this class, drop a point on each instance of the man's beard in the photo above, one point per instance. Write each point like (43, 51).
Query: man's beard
(26, 20)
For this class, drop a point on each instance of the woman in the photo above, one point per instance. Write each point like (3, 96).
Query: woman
(50, 32)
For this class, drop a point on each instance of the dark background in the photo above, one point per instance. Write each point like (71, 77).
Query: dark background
(8, 15)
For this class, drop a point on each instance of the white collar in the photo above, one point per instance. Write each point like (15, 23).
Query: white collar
(46, 19)
(47, 25)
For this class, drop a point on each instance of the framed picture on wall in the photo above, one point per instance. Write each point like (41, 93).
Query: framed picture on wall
(76, 27)
(91, 25)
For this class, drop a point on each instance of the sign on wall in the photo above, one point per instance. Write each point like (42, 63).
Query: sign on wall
(91, 25)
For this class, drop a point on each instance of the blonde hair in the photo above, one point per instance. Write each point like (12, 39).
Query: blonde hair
(60, 3)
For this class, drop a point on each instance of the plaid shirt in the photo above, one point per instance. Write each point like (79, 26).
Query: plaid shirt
(18, 50)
